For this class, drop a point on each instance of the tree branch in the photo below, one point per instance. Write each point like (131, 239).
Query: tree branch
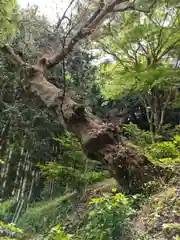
(168, 49)
(87, 29)
(15, 58)
(164, 109)
(84, 31)
(64, 15)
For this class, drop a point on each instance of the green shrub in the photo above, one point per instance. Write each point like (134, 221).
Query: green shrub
(166, 153)
(57, 233)
(74, 166)
(163, 150)
(137, 136)
(94, 177)
(176, 142)
(171, 132)
(108, 219)
(10, 231)
(74, 177)
(7, 210)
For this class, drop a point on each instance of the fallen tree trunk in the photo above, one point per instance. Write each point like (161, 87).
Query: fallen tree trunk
(99, 140)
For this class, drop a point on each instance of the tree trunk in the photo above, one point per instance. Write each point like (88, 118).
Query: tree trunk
(99, 140)
(5, 176)
(32, 185)
(4, 139)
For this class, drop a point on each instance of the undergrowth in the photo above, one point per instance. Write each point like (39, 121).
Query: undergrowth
(111, 216)
(43, 216)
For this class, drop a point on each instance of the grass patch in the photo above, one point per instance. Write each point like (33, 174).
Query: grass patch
(42, 217)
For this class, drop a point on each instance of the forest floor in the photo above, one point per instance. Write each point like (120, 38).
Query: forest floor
(157, 211)
(158, 216)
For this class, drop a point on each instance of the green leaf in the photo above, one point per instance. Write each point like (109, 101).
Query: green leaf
(68, 77)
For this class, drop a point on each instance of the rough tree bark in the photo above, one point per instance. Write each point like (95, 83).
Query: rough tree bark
(99, 140)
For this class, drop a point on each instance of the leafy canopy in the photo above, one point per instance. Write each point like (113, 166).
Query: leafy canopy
(143, 46)
(8, 17)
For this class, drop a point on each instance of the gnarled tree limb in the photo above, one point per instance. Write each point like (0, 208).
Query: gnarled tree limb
(13, 57)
